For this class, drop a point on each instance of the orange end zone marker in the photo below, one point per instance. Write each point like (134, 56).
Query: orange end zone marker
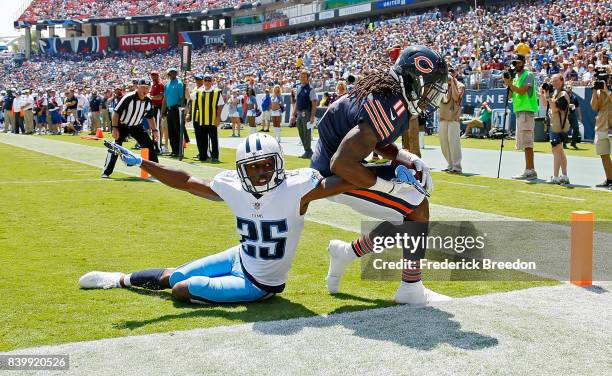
(581, 252)
(144, 153)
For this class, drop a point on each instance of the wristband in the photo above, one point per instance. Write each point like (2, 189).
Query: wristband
(155, 130)
(114, 126)
(383, 185)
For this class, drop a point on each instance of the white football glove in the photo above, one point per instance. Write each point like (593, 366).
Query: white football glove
(426, 180)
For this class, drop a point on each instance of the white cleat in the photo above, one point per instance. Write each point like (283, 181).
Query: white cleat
(417, 294)
(341, 255)
(100, 280)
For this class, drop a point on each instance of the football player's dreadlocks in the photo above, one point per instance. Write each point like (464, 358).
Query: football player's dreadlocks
(377, 81)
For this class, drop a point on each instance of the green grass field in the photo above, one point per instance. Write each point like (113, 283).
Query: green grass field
(499, 196)
(62, 221)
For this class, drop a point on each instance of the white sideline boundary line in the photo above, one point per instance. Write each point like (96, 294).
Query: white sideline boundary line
(466, 184)
(49, 181)
(554, 196)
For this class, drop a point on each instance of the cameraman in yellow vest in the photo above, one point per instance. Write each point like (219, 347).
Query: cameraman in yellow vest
(206, 105)
(525, 106)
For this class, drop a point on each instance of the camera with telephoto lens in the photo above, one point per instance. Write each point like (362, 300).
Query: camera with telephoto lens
(602, 78)
(548, 87)
(510, 72)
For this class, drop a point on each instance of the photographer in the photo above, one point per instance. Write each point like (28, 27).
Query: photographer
(525, 105)
(449, 112)
(602, 103)
(557, 102)
(575, 116)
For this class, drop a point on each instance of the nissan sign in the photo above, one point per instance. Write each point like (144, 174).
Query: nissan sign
(143, 42)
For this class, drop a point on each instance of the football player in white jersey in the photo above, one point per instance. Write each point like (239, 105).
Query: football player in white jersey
(269, 204)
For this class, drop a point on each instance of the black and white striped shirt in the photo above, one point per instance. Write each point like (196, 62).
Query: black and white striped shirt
(131, 109)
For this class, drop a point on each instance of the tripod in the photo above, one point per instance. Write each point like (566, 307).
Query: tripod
(501, 147)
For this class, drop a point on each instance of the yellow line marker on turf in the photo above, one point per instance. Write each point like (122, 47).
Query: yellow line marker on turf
(555, 196)
(581, 259)
(144, 153)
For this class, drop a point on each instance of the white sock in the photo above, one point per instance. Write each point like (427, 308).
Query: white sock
(126, 280)
(277, 133)
(252, 130)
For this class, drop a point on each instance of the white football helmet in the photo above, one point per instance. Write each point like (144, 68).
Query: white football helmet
(254, 148)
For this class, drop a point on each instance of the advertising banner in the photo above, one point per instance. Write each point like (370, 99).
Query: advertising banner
(143, 42)
(384, 4)
(354, 10)
(326, 15)
(274, 24)
(302, 19)
(72, 45)
(201, 39)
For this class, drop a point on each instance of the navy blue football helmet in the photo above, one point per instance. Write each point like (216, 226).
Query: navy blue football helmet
(423, 75)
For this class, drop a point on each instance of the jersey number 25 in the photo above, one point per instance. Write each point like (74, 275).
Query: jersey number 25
(253, 236)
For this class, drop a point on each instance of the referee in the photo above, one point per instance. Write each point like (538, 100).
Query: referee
(206, 105)
(127, 121)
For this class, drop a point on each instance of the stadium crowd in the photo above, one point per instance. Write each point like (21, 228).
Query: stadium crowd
(567, 36)
(84, 9)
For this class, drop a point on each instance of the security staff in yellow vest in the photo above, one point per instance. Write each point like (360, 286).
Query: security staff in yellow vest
(206, 105)
(525, 106)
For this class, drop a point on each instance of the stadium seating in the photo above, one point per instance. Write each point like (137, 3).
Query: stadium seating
(334, 52)
(83, 9)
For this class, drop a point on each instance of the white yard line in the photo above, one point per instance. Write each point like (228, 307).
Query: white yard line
(49, 181)
(554, 196)
(465, 184)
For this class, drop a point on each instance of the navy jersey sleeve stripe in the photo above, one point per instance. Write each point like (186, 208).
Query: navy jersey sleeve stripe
(384, 114)
(375, 118)
(371, 117)
(379, 117)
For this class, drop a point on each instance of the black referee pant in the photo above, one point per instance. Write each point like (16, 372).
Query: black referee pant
(174, 129)
(174, 123)
(158, 120)
(202, 133)
(140, 135)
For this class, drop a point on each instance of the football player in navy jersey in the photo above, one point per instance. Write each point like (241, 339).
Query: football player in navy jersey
(369, 119)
